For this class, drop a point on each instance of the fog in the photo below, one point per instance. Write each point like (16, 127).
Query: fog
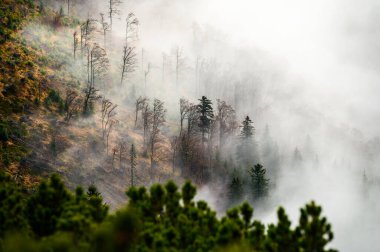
(308, 70)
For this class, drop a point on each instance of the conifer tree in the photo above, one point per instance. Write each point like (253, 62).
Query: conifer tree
(206, 115)
(247, 153)
(259, 182)
(235, 190)
(313, 230)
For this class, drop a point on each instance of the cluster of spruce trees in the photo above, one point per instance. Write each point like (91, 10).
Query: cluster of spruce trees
(51, 218)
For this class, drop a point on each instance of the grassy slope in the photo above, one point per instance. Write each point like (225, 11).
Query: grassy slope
(34, 61)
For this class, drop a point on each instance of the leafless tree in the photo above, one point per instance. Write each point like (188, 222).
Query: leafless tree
(164, 56)
(147, 121)
(139, 106)
(184, 107)
(133, 163)
(122, 152)
(87, 30)
(105, 29)
(98, 62)
(226, 118)
(110, 127)
(113, 10)
(108, 112)
(129, 62)
(174, 146)
(76, 43)
(115, 151)
(146, 73)
(90, 96)
(179, 63)
(72, 104)
(158, 118)
(192, 120)
(131, 31)
(68, 7)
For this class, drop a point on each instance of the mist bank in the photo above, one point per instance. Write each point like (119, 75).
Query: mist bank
(304, 71)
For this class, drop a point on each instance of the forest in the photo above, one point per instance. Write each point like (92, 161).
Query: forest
(132, 125)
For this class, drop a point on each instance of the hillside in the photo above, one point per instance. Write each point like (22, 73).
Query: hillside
(107, 107)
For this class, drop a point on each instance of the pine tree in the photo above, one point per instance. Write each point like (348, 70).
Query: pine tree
(132, 159)
(314, 231)
(259, 182)
(206, 115)
(235, 190)
(247, 131)
(247, 152)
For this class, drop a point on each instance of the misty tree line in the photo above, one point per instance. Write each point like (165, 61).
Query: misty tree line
(201, 151)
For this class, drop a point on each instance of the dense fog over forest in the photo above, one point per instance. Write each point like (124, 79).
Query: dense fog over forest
(306, 74)
(309, 71)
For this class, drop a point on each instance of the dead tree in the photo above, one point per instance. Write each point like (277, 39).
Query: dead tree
(164, 56)
(174, 146)
(226, 119)
(114, 154)
(139, 105)
(113, 10)
(72, 104)
(146, 73)
(129, 62)
(68, 7)
(90, 96)
(147, 121)
(105, 29)
(97, 67)
(98, 63)
(179, 63)
(87, 30)
(109, 129)
(158, 118)
(122, 152)
(76, 43)
(132, 24)
(108, 112)
(133, 163)
(184, 110)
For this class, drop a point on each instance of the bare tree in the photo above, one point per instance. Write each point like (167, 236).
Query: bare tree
(146, 73)
(226, 118)
(122, 152)
(139, 105)
(87, 30)
(76, 43)
(105, 29)
(129, 62)
(115, 151)
(113, 10)
(110, 127)
(179, 63)
(108, 112)
(131, 27)
(147, 121)
(184, 107)
(90, 96)
(192, 120)
(174, 146)
(133, 163)
(98, 65)
(158, 118)
(68, 7)
(72, 104)
(98, 62)
(164, 56)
